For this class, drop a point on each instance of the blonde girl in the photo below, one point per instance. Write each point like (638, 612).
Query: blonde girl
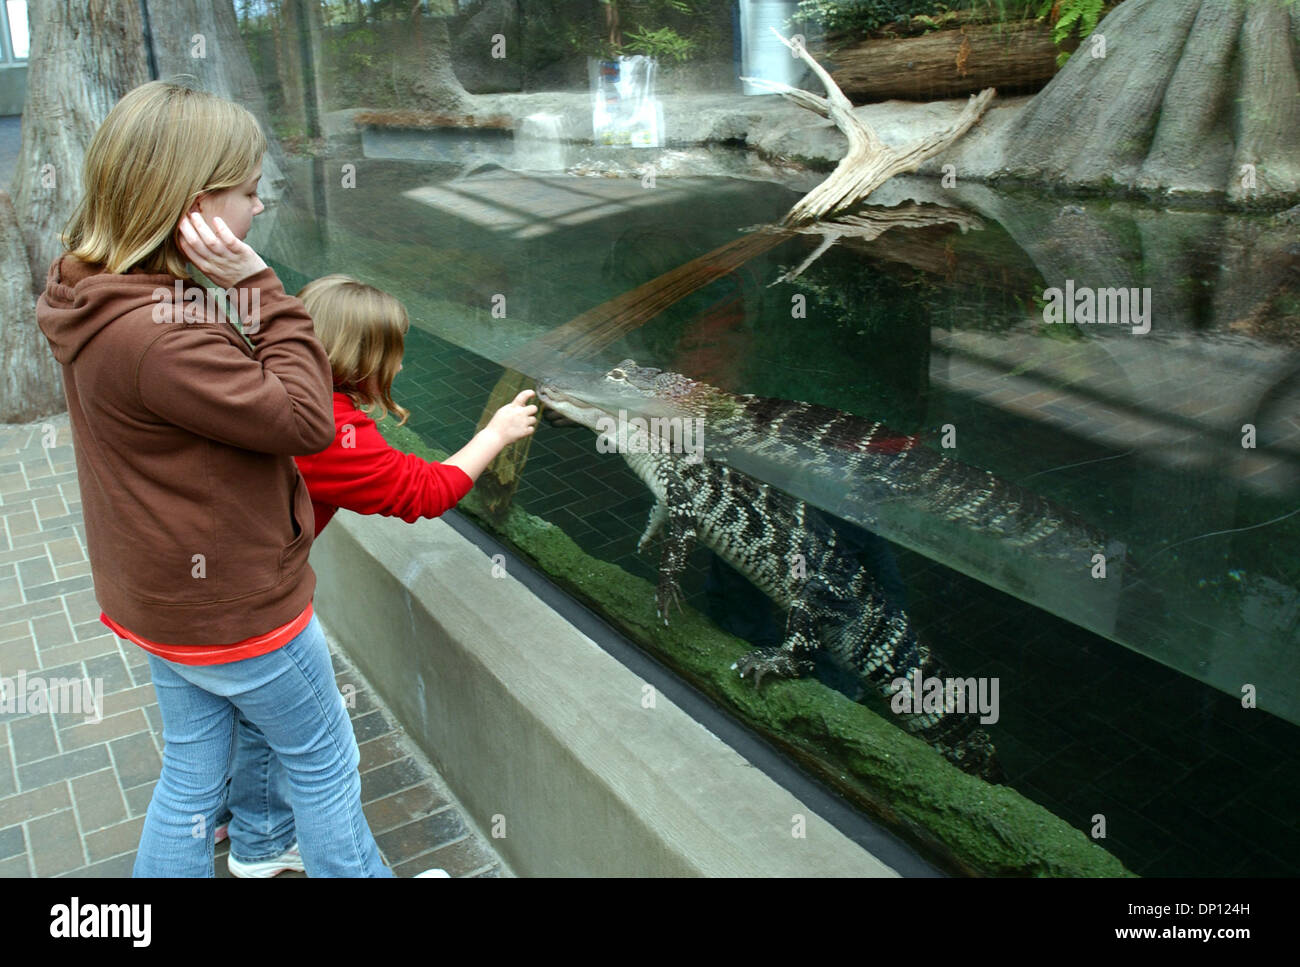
(198, 522)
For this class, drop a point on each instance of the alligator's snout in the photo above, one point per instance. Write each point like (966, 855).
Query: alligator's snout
(551, 397)
(558, 408)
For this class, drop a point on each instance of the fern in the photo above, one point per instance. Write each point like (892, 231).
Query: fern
(664, 42)
(1083, 14)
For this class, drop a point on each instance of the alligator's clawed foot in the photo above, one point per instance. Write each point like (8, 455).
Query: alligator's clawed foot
(993, 773)
(667, 595)
(976, 755)
(768, 661)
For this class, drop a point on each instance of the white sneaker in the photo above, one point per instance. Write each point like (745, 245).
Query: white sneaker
(289, 860)
(437, 874)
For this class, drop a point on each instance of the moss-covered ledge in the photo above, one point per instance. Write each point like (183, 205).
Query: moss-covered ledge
(960, 821)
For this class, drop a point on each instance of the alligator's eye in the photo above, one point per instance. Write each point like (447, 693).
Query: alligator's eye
(616, 374)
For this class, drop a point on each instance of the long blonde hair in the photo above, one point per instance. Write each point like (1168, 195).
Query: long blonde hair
(363, 330)
(161, 146)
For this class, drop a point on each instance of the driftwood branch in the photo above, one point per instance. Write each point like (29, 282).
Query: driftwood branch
(871, 223)
(869, 162)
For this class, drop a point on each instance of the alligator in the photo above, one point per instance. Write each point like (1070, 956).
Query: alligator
(861, 462)
(790, 553)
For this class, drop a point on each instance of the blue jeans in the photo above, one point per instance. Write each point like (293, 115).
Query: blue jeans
(291, 696)
(258, 812)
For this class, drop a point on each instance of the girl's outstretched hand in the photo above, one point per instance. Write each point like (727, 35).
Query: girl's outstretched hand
(516, 420)
(216, 251)
(512, 422)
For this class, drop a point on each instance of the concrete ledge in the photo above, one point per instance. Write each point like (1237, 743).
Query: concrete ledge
(544, 736)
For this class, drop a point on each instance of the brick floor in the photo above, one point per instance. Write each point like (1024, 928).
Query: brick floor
(73, 793)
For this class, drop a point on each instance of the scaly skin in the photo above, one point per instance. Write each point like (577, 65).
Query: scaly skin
(865, 461)
(831, 600)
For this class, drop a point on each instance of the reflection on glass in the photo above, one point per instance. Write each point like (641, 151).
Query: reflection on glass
(17, 10)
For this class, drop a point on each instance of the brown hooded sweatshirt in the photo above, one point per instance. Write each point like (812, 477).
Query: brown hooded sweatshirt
(198, 523)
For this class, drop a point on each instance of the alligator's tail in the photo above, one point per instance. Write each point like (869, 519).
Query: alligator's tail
(976, 499)
(893, 655)
(958, 737)
(975, 754)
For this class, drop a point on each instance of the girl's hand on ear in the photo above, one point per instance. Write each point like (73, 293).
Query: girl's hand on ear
(216, 251)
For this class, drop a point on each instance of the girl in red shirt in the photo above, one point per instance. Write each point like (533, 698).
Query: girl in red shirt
(363, 331)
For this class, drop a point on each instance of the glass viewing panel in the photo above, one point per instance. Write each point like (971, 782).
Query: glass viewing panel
(1102, 519)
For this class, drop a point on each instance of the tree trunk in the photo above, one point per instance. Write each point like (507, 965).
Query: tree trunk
(202, 39)
(437, 88)
(417, 35)
(1016, 58)
(288, 63)
(476, 69)
(1195, 97)
(85, 57)
(86, 54)
(612, 25)
(30, 386)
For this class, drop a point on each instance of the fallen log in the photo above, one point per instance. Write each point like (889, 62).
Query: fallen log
(1016, 58)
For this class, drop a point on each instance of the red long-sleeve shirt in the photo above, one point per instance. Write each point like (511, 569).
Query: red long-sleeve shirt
(360, 471)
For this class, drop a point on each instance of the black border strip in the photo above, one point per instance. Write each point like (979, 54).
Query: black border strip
(875, 839)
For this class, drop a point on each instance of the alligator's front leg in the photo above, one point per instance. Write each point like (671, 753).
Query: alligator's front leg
(679, 514)
(658, 514)
(794, 658)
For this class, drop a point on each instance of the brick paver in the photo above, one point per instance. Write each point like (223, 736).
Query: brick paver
(73, 792)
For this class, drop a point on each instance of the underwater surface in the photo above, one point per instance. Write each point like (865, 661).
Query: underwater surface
(1164, 692)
